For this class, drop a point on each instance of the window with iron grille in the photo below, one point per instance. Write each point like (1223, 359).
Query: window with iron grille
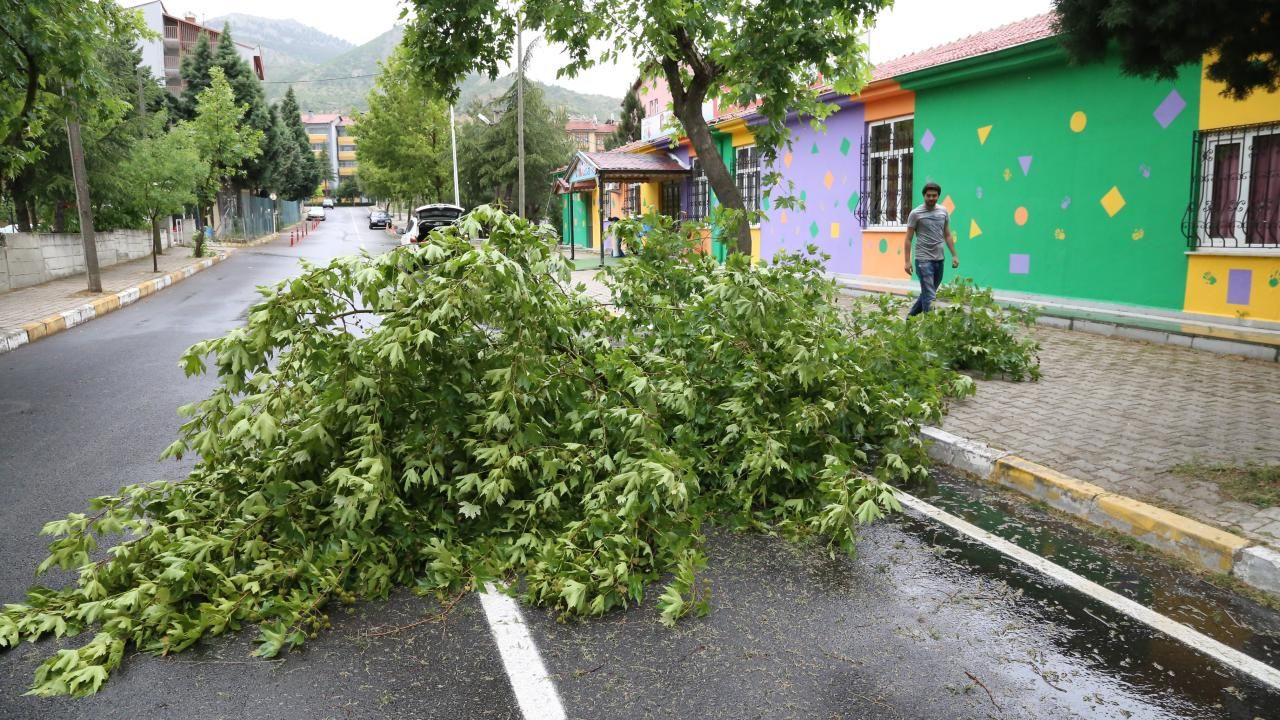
(699, 198)
(670, 200)
(1235, 188)
(632, 203)
(887, 173)
(746, 171)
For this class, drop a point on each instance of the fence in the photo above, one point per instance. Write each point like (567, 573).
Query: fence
(253, 217)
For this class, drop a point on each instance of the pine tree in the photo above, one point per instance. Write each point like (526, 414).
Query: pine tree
(628, 129)
(247, 89)
(310, 171)
(195, 73)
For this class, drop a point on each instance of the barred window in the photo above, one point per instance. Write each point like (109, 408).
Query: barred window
(631, 205)
(670, 200)
(746, 171)
(1235, 189)
(887, 173)
(699, 198)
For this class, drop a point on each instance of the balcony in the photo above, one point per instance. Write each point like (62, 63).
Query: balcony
(171, 36)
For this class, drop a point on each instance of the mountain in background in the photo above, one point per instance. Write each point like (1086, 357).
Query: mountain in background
(329, 74)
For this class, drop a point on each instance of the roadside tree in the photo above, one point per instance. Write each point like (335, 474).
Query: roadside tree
(349, 188)
(737, 51)
(195, 75)
(222, 140)
(162, 173)
(1158, 37)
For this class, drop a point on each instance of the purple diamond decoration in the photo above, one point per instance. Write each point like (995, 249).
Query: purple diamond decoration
(927, 140)
(1019, 264)
(1170, 108)
(1025, 162)
(1239, 283)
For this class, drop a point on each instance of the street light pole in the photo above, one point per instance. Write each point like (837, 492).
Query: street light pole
(453, 137)
(520, 111)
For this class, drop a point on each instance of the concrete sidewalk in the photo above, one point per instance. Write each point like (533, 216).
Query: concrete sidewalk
(32, 313)
(1120, 414)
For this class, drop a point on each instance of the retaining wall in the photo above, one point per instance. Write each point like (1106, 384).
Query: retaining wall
(32, 258)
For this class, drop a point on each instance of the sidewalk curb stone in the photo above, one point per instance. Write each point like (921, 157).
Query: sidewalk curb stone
(52, 324)
(1203, 546)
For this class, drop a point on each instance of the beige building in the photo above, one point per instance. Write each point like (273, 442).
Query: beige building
(331, 133)
(175, 38)
(589, 135)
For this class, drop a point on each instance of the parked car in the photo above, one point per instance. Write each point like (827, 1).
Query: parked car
(327, 202)
(428, 218)
(315, 213)
(379, 219)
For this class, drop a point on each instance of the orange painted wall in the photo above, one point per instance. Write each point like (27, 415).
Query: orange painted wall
(882, 254)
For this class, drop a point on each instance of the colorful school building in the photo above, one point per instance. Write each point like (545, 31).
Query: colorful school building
(1063, 181)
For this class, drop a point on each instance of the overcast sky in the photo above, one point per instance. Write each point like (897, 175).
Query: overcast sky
(909, 26)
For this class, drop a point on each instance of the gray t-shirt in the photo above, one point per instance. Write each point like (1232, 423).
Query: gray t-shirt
(928, 225)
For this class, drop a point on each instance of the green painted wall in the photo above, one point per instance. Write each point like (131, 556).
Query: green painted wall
(1035, 187)
(724, 144)
(577, 229)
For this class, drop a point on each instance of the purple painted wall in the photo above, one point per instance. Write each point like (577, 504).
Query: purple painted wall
(827, 172)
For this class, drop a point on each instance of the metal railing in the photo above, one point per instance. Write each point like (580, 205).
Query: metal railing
(1235, 188)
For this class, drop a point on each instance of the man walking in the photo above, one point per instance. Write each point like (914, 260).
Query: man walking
(930, 224)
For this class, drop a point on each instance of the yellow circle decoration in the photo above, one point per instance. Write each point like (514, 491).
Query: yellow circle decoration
(1078, 121)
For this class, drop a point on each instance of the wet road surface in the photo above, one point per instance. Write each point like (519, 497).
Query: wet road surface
(921, 623)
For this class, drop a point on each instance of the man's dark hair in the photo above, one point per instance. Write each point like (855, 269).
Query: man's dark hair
(931, 186)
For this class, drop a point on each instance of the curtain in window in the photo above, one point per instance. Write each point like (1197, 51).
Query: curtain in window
(1264, 191)
(1226, 190)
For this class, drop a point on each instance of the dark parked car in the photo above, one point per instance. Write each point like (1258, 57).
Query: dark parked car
(379, 219)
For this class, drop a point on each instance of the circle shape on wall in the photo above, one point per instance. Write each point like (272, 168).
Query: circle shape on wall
(1020, 216)
(1078, 121)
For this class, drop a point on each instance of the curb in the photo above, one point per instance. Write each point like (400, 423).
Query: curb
(56, 323)
(1205, 547)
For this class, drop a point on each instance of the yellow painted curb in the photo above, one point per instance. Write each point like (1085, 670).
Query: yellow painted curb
(104, 305)
(1206, 547)
(53, 324)
(1043, 483)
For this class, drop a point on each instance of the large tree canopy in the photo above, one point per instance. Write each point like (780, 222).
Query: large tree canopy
(739, 51)
(50, 65)
(1156, 37)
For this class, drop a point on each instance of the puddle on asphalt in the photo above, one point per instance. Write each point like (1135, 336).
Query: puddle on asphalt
(1098, 635)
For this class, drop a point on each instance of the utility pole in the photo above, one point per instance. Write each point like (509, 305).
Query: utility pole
(520, 111)
(82, 203)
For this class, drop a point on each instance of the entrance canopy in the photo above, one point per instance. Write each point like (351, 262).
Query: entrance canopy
(586, 169)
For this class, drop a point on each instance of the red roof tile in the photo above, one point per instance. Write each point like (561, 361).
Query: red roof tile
(634, 162)
(989, 41)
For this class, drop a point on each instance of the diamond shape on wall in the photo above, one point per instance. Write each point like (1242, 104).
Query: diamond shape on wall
(927, 140)
(950, 206)
(844, 146)
(1113, 201)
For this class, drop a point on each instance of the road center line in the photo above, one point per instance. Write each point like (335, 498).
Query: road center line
(1227, 655)
(356, 229)
(534, 691)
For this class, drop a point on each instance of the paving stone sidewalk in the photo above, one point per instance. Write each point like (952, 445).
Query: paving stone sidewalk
(31, 303)
(1120, 413)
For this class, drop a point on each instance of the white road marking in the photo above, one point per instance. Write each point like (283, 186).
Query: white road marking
(533, 688)
(355, 229)
(1196, 640)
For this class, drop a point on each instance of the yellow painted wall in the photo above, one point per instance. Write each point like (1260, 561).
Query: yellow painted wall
(755, 243)
(649, 197)
(347, 155)
(742, 135)
(882, 255)
(1217, 111)
(1245, 286)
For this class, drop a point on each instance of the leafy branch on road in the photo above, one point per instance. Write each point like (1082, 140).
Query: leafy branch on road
(492, 426)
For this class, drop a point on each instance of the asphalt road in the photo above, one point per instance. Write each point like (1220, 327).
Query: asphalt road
(920, 624)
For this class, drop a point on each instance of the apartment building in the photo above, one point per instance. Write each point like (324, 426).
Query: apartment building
(588, 134)
(332, 133)
(177, 36)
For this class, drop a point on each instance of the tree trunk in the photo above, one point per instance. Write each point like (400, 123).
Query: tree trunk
(155, 245)
(85, 205)
(687, 105)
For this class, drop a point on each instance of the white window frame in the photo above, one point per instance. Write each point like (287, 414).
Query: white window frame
(1211, 140)
(743, 179)
(883, 190)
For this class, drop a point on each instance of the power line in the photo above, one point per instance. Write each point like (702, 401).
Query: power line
(295, 82)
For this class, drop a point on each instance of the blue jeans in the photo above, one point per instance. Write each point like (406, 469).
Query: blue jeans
(930, 273)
